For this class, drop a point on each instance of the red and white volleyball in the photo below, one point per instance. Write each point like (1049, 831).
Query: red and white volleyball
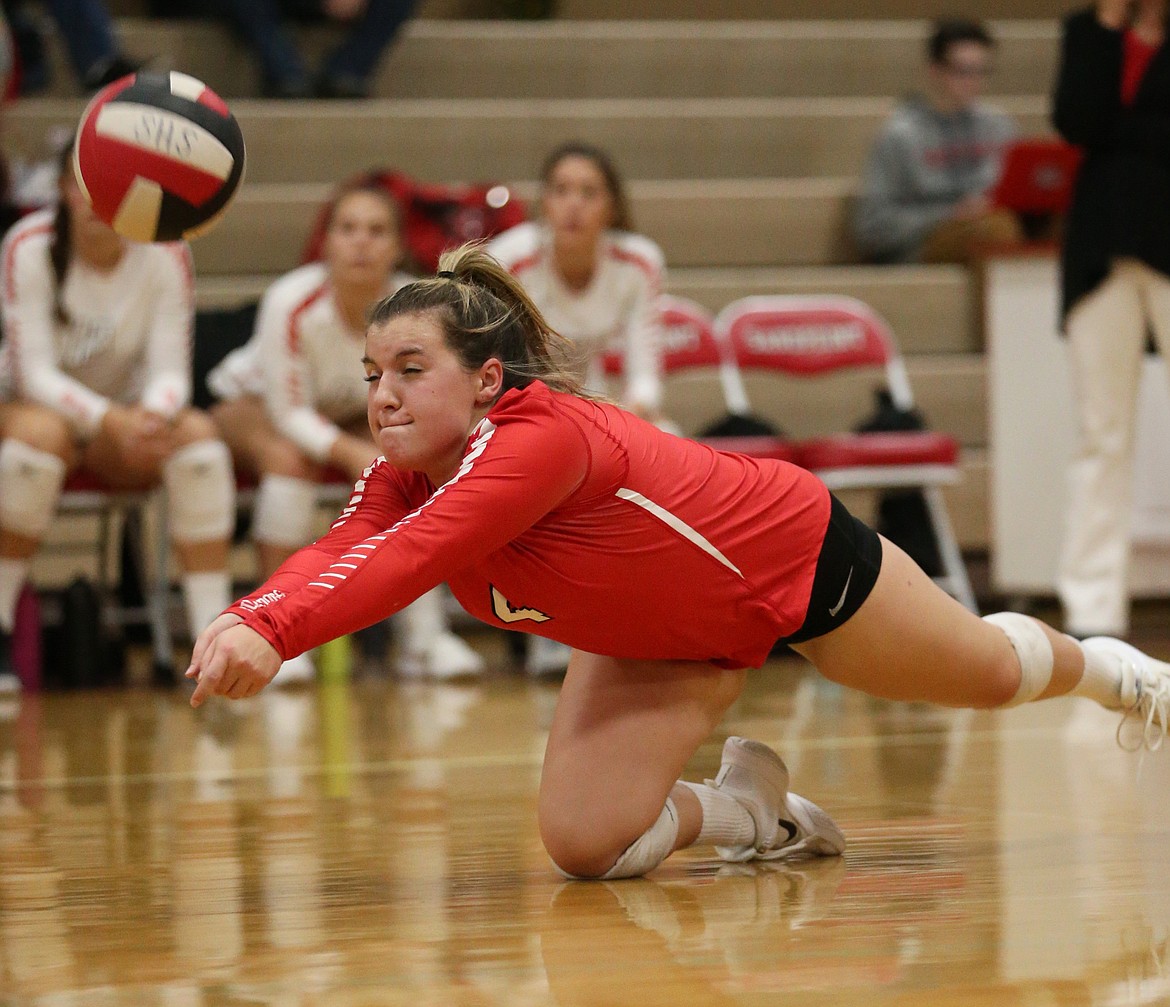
(159, 156)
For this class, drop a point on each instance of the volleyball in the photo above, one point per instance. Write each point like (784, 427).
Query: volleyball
(159, 156)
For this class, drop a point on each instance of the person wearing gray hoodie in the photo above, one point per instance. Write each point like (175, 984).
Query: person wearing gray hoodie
(924, 193)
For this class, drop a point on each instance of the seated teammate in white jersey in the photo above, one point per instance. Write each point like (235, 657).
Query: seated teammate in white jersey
(292, 406)
(598, 284)
(95, 373)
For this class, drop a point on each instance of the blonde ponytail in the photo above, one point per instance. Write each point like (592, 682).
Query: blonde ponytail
(486, 313)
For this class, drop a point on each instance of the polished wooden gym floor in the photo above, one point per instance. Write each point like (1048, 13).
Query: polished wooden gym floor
(374, 842)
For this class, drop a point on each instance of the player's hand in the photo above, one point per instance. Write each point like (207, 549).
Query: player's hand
(218, 625)
(143, 438)
(238, 663)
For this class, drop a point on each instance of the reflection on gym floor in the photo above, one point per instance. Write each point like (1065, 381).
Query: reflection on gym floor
(375, 843)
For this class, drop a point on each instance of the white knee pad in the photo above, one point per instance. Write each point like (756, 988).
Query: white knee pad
(646, 852)
(201, 492)
(30, 485)
(284, 511)
(1034, 650)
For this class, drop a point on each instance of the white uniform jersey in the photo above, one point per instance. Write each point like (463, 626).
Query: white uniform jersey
(303, 360)
(617, 311)
(128, 334)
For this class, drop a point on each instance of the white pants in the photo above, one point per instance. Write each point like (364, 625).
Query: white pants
(1106, 337)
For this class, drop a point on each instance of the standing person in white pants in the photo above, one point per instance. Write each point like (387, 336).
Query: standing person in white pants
(95, 373)
(1113, 100)
(293, 406)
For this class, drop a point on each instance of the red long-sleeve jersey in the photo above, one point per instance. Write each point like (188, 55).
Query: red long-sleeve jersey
(575, 520)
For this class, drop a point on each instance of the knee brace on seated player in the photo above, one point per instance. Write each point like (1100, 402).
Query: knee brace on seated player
(31, 481)
(1033, 649)
(284, 511)
(201, 492)
(646, 852)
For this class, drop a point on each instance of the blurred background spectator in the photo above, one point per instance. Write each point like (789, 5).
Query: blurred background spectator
(88, 33)
(924, 191)
(1113, 100)
(266, 27)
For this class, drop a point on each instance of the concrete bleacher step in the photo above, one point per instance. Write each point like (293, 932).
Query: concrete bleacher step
(932, 309)
(698, 223)
(561, 10)
(794, 9)
(968, 502)
(652, 138)
(597, 59)
(762, 222)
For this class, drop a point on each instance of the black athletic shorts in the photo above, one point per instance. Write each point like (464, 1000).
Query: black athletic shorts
(847, 569)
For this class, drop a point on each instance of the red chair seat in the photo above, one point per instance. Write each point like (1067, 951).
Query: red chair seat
(81, 481)
(910, 447)
(756, 446)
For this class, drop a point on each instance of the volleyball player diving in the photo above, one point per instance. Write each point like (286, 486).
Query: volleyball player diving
(667, 566)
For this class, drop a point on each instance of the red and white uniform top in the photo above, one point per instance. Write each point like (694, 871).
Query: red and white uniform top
(617, 311)
(128, 337)
(302, 359)
(574, 520)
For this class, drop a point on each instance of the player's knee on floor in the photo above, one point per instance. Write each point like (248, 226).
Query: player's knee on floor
(32, 481)
(1033, 652)
(284, 511)
(577, 857)
(201, 492)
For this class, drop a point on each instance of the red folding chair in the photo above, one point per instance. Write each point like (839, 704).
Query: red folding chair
(817, 337)
(701, 379)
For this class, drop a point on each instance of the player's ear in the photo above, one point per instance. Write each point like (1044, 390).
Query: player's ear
(491, 380)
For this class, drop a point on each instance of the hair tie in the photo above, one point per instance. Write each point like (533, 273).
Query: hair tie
(446, 274)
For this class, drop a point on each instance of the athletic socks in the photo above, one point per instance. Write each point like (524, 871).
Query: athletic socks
(1102, 679)
(726, 822)
(207, 594)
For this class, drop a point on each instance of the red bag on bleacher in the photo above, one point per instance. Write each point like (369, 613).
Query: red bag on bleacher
(435, 216)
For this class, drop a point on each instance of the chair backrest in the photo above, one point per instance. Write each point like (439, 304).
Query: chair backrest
(688, 338)
(808, 336)
(692, 354)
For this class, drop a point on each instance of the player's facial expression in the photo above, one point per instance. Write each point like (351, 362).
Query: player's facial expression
(362, 245)
(576, 202)
(422, 403)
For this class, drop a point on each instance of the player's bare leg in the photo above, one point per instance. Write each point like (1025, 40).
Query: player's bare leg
(621, 736)
(912, 641)
(611, 802)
